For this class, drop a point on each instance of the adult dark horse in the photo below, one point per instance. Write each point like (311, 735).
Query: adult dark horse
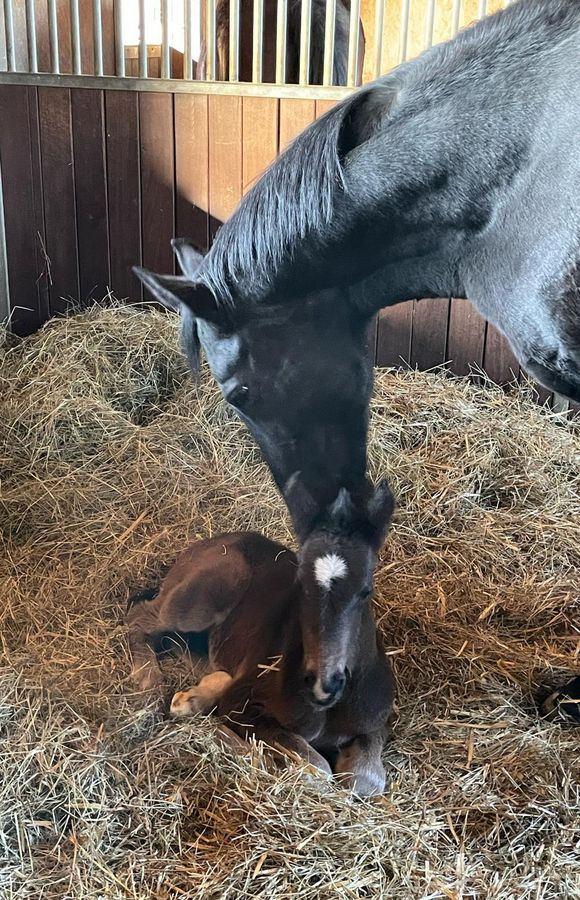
(456, 175)
(317, 31)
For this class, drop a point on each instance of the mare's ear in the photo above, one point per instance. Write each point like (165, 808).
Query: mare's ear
(303, 508)
(177, 293)
(380, 509)
(188, 256)
(341, 511)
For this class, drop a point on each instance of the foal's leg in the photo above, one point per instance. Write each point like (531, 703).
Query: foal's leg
(287, 743)
(143, 630)
(203, 698)
(362, 765)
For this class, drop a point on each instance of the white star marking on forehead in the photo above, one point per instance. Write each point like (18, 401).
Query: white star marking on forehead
(329, 568)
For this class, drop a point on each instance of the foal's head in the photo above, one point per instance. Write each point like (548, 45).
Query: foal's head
(337, 561)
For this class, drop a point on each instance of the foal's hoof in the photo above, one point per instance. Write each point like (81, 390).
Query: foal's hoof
(369, 782)
(564, 704)
(187, 703)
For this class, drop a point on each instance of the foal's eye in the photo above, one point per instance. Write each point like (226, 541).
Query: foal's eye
(365, 594)
(238, 397)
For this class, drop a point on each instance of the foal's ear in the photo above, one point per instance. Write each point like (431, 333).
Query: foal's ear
(303, 508)
(188, 256)
(380, 509)
(177, 292)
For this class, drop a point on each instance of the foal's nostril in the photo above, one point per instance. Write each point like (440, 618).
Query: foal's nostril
(309, 679)
(335, 684)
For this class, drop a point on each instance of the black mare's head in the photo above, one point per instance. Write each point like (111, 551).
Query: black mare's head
(298, 375)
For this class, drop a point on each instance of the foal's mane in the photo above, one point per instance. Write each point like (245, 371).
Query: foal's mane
(294, 198)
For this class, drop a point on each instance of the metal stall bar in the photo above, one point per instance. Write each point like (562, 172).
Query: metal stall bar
(98, 37)
(404, 31)
(210, 40)
(75, 36)
(143, 69)
(329, 31)
(430, 23)
(165, 56)
(258, 41)
(234, 45)
(53, 30)
(9, 32)
(187, 41)
(455, 16)
(281, 27)
(353, 33)
(379, 28)
(31, 35)
(482, 9)
(119, 41)
(305, 30)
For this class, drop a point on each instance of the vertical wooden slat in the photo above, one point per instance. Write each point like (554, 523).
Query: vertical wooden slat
(429, 334)
(295, 115)
(394, 335)
(59, 195)
(225, 157)
(157, 179)
(499, 362)
(260, 137)
(192, 168)
(91, 192)
(23, 222)
(123, 189)
(466, 337)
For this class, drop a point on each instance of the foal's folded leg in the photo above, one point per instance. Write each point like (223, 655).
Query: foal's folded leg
(284, 742)
(361, 765)
(203, 697)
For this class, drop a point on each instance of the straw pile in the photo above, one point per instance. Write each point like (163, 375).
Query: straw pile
(111, 461)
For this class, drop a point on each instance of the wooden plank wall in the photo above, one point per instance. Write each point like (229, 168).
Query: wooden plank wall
(98, 181)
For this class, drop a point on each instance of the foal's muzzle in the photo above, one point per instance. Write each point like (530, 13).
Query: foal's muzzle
(325, 691)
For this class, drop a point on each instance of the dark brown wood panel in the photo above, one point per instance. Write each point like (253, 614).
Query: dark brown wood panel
(192, 168)
(157, 180)
(499, 361)
(466, 337)
(429, 333)
(124, 191)
(91, 193)
(59, 196)
(23, 212)
(394, 333)
(225, 159)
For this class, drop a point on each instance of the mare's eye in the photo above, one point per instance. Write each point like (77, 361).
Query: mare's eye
(238, 397)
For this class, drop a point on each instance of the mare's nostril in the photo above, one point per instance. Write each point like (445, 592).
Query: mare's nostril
(309, 679)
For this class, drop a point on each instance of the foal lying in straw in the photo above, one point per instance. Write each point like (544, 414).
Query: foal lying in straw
(295, 655)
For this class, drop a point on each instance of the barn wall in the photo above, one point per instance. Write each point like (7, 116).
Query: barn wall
(96, 181)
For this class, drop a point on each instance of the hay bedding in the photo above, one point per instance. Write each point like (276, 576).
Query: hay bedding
(111, 460)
